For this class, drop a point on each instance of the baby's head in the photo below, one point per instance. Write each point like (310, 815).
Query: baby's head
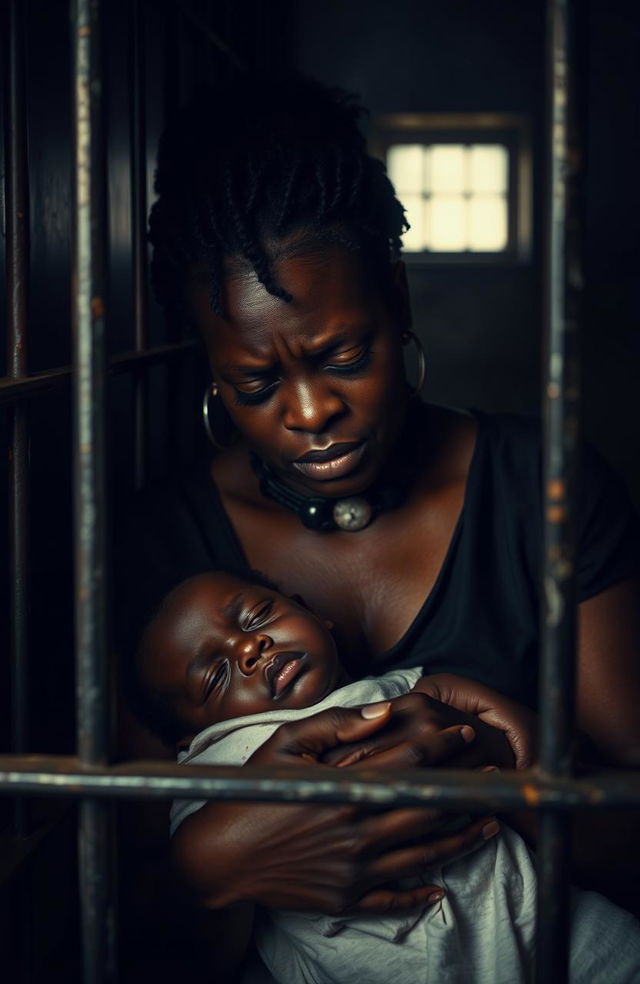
(221, 647)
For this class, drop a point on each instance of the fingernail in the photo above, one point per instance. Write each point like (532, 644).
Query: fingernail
(490, 768)
(375, 710)
(490, 829)
(435, 897)
(467, 733)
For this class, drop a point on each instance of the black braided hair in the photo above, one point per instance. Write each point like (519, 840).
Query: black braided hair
(242, 169)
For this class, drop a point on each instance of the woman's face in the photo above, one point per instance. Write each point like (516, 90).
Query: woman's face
(315, 386)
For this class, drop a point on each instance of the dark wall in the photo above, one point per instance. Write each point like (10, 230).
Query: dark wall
(482, 327)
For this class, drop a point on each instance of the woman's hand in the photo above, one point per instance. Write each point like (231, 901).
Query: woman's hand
(336, 860)
(519, 724)
(412, 735)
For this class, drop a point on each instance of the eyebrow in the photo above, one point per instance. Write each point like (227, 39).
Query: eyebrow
(340, 336)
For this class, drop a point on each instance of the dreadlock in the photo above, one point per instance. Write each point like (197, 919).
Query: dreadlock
(242, 169)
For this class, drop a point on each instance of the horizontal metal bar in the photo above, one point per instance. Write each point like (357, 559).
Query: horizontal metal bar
(24, 387)
(52, 775)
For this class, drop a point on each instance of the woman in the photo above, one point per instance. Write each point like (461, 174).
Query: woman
(415, 529)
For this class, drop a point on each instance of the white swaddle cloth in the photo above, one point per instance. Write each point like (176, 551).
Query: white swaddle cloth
(482, 932)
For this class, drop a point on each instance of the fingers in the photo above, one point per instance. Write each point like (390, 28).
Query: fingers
(387, 830)
(310, 738)
(383, 900)
(432, 749)
(414, 860)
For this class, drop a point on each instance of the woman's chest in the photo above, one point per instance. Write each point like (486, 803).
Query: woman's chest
(370, 584)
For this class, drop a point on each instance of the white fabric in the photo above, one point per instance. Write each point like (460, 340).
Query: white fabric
(482, 932)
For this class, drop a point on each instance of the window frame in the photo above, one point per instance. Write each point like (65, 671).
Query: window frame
(510, 130)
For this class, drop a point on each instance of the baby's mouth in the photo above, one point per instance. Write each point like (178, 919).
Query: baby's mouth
(282, 670)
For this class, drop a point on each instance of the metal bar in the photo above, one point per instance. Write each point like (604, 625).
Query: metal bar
(25, 387)
(17, 268)
(561, 432)
(88, 319)
(66, 776)
(138, 148)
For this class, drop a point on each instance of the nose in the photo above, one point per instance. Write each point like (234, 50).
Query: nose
(311, 404)
(250, 649)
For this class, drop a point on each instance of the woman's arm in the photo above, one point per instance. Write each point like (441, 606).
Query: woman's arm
(606, 847)
(608, 695)
(331, 859)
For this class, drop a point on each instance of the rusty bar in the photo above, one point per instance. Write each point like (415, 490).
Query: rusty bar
(563, 284)
(88, 322)
(17, 270)
(25, 387)
(138, 148)
(453, 789)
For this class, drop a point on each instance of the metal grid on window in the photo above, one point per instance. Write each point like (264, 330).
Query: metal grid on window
(455, 195)
(552, 789)
(465, 181)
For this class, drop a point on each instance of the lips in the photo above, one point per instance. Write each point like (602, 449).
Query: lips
(336, 461)
(282, 670)
(328, 454)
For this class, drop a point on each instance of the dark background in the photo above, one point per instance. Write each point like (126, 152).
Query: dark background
(481, 326)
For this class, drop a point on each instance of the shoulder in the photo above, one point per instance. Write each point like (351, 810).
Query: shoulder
(485, 450)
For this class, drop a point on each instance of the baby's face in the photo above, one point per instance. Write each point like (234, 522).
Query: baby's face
(221, 648)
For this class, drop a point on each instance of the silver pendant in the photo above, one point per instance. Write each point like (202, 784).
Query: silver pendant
(352, 515)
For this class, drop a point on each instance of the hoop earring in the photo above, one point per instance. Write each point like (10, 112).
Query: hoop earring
(219, 445)
(410, 336)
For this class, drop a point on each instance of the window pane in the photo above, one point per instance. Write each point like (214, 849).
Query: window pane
(404, 166)
(488, 167)
(487, 222)
(447, 225)
(414, 238)
(447, 166)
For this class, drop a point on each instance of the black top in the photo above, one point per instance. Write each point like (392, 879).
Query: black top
(481, 618)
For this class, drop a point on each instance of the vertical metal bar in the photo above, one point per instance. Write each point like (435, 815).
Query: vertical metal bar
(88, 321)
(138, 145)
(561, 425)
(179, 378)
(17, 263)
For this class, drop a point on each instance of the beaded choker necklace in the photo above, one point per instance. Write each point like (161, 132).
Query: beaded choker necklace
(355, 512)
(320, 513)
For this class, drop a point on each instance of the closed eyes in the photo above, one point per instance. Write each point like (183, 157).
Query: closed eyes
(351, 365)
(215, 680)
(257, 616)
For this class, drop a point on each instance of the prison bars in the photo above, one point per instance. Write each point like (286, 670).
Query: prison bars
(88, 317)
(563, 289)
(137, 140)
(17, 246)
(551, 789)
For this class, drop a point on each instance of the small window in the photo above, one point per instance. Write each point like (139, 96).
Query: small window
(464, 182)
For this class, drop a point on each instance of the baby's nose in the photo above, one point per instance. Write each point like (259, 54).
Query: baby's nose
(250, 651)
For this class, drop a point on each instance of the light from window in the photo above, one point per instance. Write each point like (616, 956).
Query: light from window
(455, 195)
